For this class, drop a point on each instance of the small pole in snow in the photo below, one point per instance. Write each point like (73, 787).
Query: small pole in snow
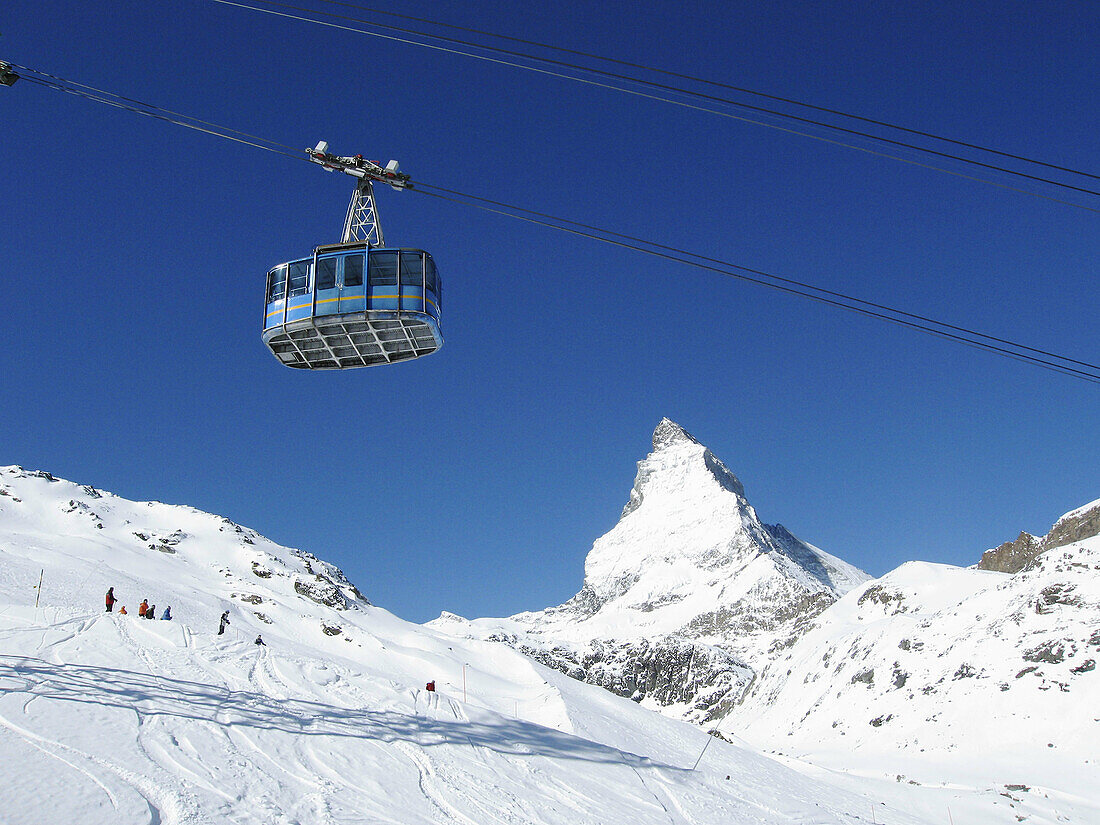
(38, 594)
(710, 737)
(950, 818)
(873, 820)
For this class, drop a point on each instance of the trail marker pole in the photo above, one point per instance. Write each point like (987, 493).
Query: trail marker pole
(38, 594)
(704, 750)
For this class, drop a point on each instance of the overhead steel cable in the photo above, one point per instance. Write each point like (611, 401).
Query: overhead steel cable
(149, 110)
(666, 88)
(979, 340)
(794, 284)
(1058, 363)
(716, 84)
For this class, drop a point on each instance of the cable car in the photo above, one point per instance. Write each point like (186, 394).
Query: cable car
(357, 303)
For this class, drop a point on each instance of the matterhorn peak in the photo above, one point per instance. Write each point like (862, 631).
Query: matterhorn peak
(668, 432)
(684, 591)
(688, 528)
(678, 465)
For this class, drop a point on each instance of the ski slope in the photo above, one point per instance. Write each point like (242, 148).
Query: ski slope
(108, 718)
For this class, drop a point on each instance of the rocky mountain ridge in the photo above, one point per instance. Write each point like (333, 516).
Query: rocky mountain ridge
(1014, 556)
(255, 575)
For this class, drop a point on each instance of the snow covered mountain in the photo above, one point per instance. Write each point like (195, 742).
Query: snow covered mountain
(686, 597)
(108, 718)
(988, 675)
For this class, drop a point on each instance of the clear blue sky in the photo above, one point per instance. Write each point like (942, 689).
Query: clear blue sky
(475, 480)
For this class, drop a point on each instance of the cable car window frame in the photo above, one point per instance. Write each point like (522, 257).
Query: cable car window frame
(297, 277)
(379, 274)
(411, 267)
(357, 279)
(276, 286)
(324, 275)
(431, 276)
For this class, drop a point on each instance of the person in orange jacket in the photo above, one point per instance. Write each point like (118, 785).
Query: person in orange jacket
(143, 608)
(122, 610)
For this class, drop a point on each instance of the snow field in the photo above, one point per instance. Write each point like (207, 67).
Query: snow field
(106, 718)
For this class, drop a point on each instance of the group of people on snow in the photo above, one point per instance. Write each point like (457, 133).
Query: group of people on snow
(149, 611)
(145, 610)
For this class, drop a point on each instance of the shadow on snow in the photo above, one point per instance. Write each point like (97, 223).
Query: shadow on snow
(151, 695)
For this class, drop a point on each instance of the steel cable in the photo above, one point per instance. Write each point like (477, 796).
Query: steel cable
(1052, 361)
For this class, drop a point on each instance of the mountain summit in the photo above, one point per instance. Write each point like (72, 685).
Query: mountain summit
(689, 537)
(671, 436)
(689, 578)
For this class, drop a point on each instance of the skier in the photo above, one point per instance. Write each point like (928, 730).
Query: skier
(143, 608)
(260, 641)
(110, 598)
(167, 617)
(223, 623)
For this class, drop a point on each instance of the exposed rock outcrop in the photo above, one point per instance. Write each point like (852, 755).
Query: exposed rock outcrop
(1014, 556)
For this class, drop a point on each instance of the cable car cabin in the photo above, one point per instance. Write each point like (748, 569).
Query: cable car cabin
(353, 306)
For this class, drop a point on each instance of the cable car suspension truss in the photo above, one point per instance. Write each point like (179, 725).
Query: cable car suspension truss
(362, 223)
(7, 75)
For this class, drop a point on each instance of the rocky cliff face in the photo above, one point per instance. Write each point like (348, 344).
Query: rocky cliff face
(687, 596)
(1014, 556)
(701, 681)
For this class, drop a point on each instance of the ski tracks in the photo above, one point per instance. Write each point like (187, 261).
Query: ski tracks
(128, 791)
(436, 788)
(485, 791)
(460, 796)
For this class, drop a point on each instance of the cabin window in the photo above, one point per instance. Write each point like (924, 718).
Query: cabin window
(326, 273)
(412, 268)
(276, 284)
(298, 278)
(429, 273)
(353, 270)
(383, 268)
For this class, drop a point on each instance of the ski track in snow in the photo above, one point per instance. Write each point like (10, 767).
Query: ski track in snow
(164, 808)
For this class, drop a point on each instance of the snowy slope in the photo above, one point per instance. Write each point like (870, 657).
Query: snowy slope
(686, 597)
(106, 718)
(942, 675)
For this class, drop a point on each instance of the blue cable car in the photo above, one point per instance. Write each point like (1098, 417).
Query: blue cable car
(351, 305)
(357, 303)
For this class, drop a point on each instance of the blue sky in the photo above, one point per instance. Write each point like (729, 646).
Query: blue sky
(475, 480)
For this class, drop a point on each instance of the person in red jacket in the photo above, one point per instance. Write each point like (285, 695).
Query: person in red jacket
(143, 608)
(110, 599)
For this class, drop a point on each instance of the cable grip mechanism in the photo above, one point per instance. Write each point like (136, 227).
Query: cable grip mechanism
(7, 76)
